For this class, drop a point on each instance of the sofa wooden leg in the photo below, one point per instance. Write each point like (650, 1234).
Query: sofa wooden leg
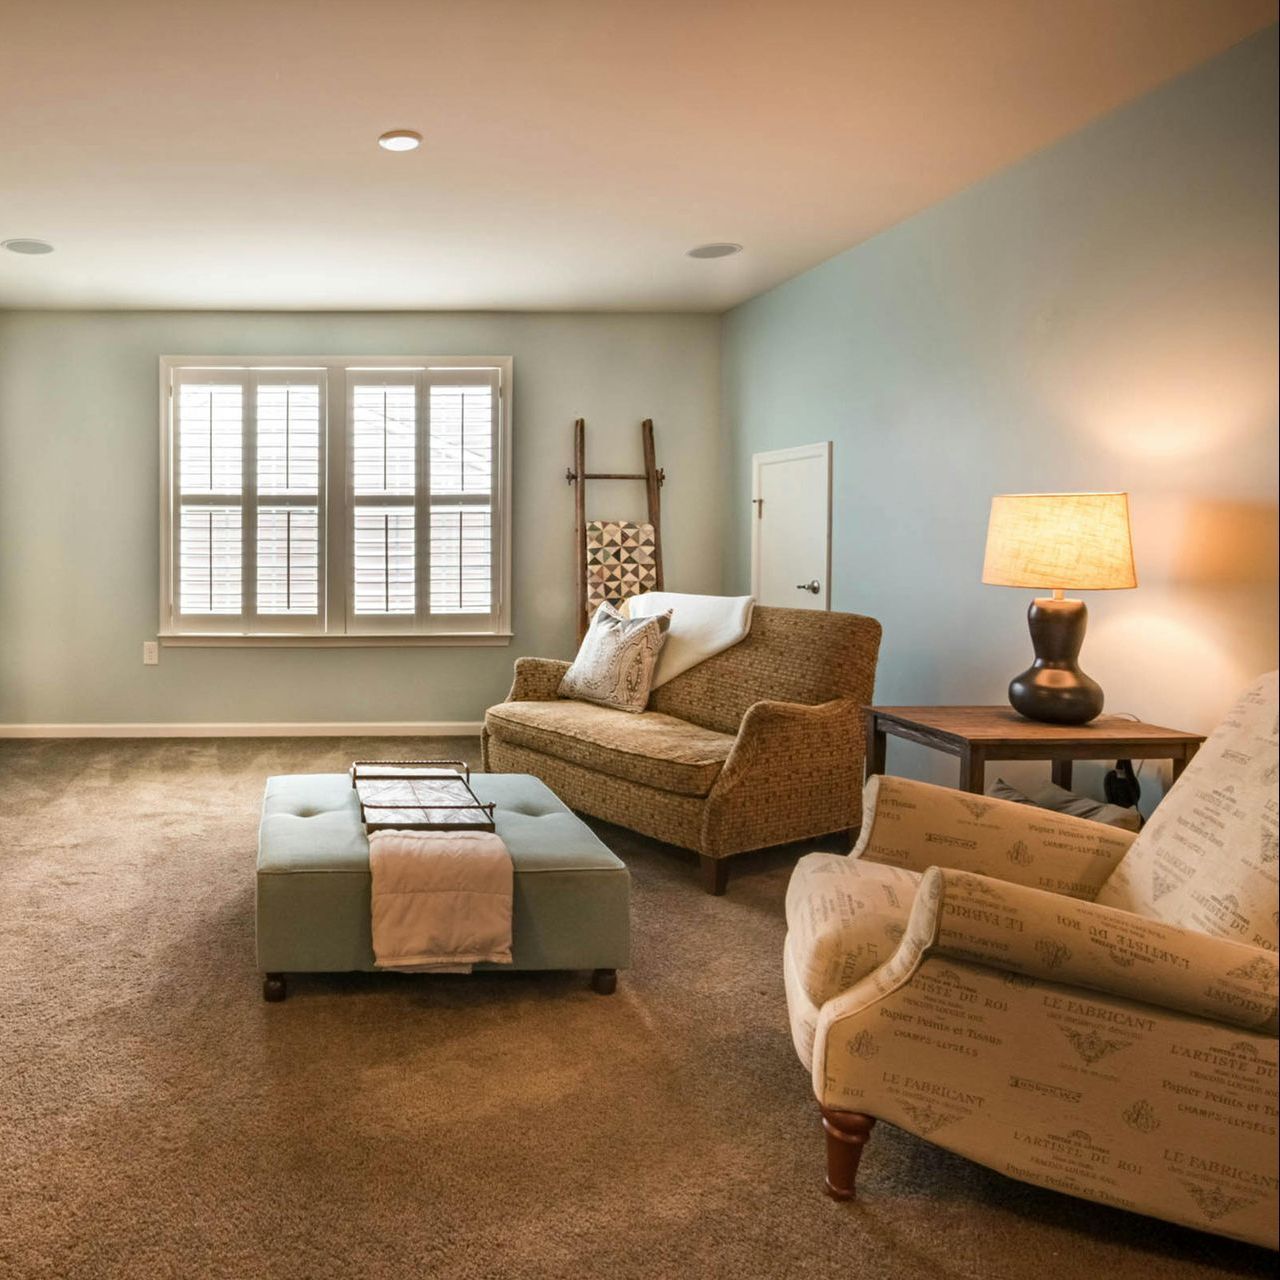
(274, 988)
(604, 982)
(847, 1133)
(715, 874)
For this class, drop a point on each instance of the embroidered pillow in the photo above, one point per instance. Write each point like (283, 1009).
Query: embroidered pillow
(615, 665)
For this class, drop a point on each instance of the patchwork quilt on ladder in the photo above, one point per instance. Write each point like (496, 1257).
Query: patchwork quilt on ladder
(621, 562)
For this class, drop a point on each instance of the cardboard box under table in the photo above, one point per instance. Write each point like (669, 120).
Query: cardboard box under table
(571, 894)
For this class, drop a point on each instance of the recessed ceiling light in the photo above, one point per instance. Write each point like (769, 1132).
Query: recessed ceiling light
(400, 140)
(27, 246)
(720, 249)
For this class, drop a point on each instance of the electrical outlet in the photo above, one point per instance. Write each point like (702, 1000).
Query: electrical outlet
(151, 653)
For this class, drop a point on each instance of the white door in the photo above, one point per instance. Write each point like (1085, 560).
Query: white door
(791, 529)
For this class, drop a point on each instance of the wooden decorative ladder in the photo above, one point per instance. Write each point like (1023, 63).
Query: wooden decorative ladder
(653, 477)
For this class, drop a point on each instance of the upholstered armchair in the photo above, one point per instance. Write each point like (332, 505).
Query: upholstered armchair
(1064, 1002)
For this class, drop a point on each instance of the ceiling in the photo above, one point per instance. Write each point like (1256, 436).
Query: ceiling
(221, 154)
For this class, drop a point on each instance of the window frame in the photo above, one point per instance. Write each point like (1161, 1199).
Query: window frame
(337, 625)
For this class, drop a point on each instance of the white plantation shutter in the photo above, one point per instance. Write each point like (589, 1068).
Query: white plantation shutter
(384, 411)
(385, 560)
(248, 475)
(210, 437)
(423, 486)
(210, 556)
(288, 437)
(461, 439)
(399, 528)
(210, 415)
(288, 561)
(463, 431)
(461, 559)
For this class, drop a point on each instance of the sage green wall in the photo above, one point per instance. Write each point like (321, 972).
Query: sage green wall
(1099, 316)
(79, 505)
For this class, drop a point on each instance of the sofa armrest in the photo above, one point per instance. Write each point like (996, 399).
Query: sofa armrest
(1050, 938)
(537, 679)
(917, 826)
(793, 772)
(777, 738)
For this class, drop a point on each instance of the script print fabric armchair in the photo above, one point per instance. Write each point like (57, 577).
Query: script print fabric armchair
(1064, 1002)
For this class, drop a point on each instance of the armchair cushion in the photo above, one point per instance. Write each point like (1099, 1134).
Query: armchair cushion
(917, 826)
(647, 747)
(1209, 856)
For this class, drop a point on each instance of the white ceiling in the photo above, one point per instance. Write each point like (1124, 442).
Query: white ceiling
(222, 153)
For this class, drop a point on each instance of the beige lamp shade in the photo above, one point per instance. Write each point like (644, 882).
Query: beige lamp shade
(1067, 541)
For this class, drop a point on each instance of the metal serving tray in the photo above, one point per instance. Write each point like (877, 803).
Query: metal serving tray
(418, 795)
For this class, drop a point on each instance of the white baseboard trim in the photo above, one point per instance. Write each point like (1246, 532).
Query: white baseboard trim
(252, 729)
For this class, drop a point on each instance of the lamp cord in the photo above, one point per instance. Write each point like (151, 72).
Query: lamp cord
(1115, 778)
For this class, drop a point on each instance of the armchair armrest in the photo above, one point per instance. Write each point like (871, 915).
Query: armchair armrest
(917, 826)
(1061, 940)
(537, 679)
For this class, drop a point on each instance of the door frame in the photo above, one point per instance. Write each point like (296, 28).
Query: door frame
(821, 451)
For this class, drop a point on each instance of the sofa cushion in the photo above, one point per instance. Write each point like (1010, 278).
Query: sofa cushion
(845, 918)
(646, 747)
(1207, 859)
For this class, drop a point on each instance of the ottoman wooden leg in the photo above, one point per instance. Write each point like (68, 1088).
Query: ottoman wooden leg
(715, 874)
(273, 988)
(847, 1133)
(604, 981)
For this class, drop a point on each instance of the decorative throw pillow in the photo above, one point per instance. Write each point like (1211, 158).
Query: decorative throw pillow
(615, 665)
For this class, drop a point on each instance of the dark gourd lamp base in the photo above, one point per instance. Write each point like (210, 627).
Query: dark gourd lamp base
(1054, 689)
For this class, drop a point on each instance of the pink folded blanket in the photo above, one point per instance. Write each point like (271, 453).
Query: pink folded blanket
(441, 900)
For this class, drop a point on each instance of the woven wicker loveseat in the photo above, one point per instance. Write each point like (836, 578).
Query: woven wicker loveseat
(760, 745)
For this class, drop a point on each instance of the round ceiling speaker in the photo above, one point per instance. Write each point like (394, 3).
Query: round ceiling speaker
(718, 249)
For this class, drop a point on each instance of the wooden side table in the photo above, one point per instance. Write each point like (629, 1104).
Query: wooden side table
(979, 734)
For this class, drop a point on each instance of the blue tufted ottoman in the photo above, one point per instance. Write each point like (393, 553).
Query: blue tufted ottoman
(572, 895)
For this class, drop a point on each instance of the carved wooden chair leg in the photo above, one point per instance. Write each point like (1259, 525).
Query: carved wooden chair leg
(847, 1133)
(715, 874)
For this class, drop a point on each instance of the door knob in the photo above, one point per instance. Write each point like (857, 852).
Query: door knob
(815, 586)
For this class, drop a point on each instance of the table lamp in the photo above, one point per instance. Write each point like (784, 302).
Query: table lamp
(1065, 542)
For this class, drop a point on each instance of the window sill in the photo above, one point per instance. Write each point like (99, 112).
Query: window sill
(229, 640)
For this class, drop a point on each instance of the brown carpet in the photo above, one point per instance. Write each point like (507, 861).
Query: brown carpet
(157, 1119)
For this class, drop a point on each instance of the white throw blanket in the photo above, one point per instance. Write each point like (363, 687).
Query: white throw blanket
(441, 900)
(701, 627)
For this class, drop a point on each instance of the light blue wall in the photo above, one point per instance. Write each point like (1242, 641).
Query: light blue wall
(1102, 315)
(79, 505)
(1099, 316)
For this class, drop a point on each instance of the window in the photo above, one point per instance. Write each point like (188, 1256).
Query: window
(354, 500)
